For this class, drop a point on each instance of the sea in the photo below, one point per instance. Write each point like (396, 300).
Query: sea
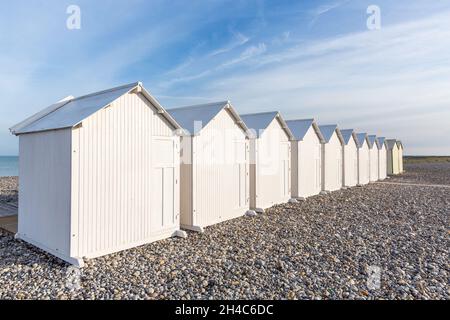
(9, 166)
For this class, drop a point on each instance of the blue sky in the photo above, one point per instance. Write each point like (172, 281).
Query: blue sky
(303, 58)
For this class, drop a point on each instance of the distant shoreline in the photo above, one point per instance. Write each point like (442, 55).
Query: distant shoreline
(9, 166)
(421, 159)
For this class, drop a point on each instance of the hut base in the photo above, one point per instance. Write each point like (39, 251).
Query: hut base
(193, 228)
(75, 261)
(250, 213)
(180, 234)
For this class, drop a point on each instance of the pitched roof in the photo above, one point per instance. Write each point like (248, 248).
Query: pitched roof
(371, 139)
(360, 137)
(258, 122)
(399, 144)
(381, 141)
(300, 127)
(194, 118)
(391, 143)
(71, 111)
(347, 134)
(328, 130)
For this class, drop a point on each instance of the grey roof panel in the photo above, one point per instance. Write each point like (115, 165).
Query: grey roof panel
(300, 127)
(71, 112)
(391, 143)
(194, 118)
(258, 121)
(346, 135)
(360, 137)
(381, 141)
(327, 131)
(371, 139)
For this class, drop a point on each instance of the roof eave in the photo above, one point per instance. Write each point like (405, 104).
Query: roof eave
(158, 106)
(339, 134)
(318, 132)
(285, 127)
(238, 119)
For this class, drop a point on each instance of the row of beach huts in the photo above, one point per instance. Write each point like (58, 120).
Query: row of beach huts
(113, 170)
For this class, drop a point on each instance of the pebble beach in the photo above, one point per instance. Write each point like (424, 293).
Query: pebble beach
(380, 241)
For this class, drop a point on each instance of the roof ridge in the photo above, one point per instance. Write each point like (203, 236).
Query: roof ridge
(133, 84)
(258, 113)
(54, 108)
(224, 102)
(307, 119)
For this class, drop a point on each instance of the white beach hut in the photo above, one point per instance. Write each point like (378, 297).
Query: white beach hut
(382, 158)
(400, 156)
(214, 164)
(98, 174)
(392, 157)
(350, 158)
(306, 158)
(270, 160)
(363, 159)
(332, 155)
(373, 158)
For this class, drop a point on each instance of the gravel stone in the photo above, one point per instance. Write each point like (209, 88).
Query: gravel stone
(379, 241)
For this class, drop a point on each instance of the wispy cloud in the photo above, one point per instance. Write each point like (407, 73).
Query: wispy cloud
(261, 55)
(238, 40)
(374, 81)
(248, 53)
(323, 9)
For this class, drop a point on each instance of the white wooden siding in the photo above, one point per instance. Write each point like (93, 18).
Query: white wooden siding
(332, 164)
(271, 179)
(45, 190)
(220, 173)
(382, 163)
(393, 161)
(400, 160)
(351, 163)
(363, 164)
(307, 164)
(374, 166)
(128, 166)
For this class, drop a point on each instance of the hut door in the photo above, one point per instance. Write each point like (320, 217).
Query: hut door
(164, 184)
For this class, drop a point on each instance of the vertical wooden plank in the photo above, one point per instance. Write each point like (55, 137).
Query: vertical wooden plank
(75, 174)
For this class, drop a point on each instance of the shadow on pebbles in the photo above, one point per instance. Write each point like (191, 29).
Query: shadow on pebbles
(378, 241)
